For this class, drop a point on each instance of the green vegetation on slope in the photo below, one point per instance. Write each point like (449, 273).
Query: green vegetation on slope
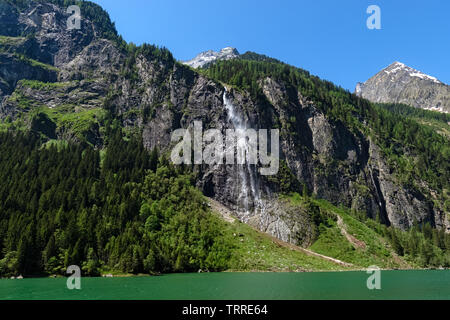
(34, 63)
(436, 125)
(372, 243)
(42, 86)
(68, 120)
(134, 214)
(408, 111)
(370, 251)
(253, 56)
(365, 248)
(11, 41)
(256, 251)
(437, 121)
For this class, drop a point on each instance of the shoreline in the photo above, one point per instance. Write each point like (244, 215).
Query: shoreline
(141, 275)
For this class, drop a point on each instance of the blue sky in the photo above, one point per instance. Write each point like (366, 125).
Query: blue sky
(326, 37)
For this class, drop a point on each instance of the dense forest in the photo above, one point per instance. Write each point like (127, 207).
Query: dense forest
(128, 210)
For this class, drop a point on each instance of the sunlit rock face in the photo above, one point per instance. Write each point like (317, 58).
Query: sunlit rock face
(399, 83)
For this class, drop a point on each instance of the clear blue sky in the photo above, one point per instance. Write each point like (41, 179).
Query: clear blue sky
(329, 38)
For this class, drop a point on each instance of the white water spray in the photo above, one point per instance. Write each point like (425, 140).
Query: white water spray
(249, 192)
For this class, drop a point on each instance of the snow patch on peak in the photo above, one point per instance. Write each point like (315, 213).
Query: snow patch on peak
(210, 56)
(398, 66)
(424, 76)
(399, 83)
(395, 67)
(229, 51)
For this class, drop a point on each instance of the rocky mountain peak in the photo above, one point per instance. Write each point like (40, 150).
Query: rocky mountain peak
(399, 83)
(207, 57)
(400, 69)
(229, 51)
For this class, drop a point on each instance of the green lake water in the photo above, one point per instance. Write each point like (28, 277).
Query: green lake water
(428, 284)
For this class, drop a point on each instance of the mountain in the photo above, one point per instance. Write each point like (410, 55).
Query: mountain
(399, 83)
(86, 124)
(210, 56)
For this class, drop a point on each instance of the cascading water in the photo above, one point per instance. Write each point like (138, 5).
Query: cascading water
(249, 197)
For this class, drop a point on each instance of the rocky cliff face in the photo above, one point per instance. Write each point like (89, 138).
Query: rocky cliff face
(71, 68)
(154, 96)
(399, 83)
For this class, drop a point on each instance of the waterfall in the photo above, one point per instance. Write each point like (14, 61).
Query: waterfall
(249, 193)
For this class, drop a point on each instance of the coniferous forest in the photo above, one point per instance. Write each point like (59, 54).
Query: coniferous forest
(127, 210)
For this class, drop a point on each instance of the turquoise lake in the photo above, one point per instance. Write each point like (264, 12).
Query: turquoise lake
(426, 284)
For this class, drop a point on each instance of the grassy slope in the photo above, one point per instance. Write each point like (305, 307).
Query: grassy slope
(256, 251)
(10, 44)
(332, 242)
